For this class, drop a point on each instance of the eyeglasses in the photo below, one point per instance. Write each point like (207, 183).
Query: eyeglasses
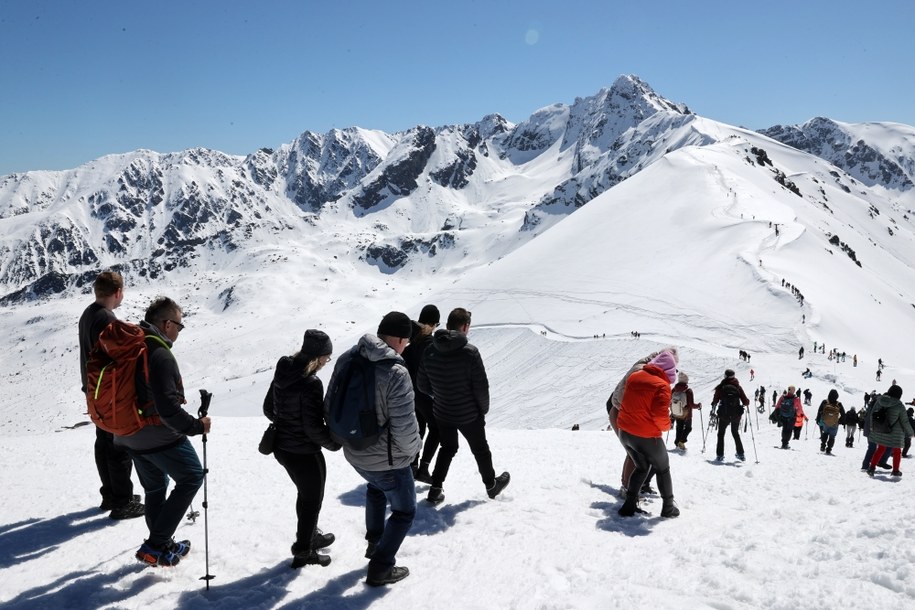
(178, 324)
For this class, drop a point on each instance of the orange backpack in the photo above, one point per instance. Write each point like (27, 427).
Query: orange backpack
(111, 392)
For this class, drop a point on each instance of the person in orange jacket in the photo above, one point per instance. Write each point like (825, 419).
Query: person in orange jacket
(644, 416)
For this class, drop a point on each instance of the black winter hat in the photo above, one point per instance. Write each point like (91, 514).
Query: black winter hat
(728, 373)
(895, 391)
(429, 315)
(396, 324)
(316, 343)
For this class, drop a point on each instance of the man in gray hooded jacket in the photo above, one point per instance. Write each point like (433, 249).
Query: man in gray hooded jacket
(385, 465)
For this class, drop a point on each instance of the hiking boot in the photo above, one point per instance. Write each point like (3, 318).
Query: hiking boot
(155, 557)
(436, 495)
(180, 547)
(131, 510)
(395, 574)
(896, 473)
(870, 471)
(630, 507)
(423, 475)
(670, 510)
(500, 483)
(741, 457)
(370, 549)
(310, 557)
(108, 503)
(321, 540)
(784, 445)
(885, 466)
(828, 451)
(719, 458)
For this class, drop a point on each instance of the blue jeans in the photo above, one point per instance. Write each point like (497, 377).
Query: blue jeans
(398, 488)
(163, 515)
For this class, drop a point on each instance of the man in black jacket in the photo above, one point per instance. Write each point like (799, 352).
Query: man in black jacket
(162, 451)
(452, 373)
(113, 462)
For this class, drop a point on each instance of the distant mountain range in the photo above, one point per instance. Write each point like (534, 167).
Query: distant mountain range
(398, 202)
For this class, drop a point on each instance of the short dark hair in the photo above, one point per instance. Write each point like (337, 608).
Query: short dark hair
(107, 283)
(457, 318)
(161, 309)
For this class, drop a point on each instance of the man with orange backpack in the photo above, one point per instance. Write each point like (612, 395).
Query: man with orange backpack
(113, 462)
(160, 449)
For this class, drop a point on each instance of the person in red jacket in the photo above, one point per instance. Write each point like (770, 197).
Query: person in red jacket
(644, 417)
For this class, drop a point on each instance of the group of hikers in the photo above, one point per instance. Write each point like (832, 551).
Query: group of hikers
(407, 382)
(644, 406)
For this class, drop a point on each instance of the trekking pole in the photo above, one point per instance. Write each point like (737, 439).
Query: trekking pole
(805, 429)
(712, 419)
(753, 438)
(702, 425)
(202, 412)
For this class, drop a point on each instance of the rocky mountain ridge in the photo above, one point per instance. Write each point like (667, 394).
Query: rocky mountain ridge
(393, 201)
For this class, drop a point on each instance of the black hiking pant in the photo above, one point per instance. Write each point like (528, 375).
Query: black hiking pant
(475, 433)
(726, 420)
(648, 454)
(308, 471)
(684, 427)
(431, 442)
(114, 468)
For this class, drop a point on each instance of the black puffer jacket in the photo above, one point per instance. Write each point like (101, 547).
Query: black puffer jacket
(452, 372)
(295, 404)
(413, 356)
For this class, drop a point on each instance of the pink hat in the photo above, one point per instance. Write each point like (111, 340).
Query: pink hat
(666, 361)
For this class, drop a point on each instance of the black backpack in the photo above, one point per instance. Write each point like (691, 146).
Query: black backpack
(349, 407)
(786, 408)
(879, 421)
(730, 400)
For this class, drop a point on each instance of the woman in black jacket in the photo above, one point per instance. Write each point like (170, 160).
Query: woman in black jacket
(295, 404)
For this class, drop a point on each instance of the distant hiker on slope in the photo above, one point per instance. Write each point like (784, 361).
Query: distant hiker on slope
(830, 414)
(790, 411)
(644, 416)
(295, 405)
(732, 400)
(851, 426)
(681, 411)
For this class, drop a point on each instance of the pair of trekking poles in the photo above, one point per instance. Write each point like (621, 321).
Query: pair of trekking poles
(713, 423)
(192, 514)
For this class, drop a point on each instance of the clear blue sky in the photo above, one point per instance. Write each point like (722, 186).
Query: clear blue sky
(81, 79)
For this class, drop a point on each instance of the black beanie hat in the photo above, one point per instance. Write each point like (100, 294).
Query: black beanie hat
(895, 391)
(316, 343)
(429, 315)
(396, 324)
(833, 396)
(728, 373)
